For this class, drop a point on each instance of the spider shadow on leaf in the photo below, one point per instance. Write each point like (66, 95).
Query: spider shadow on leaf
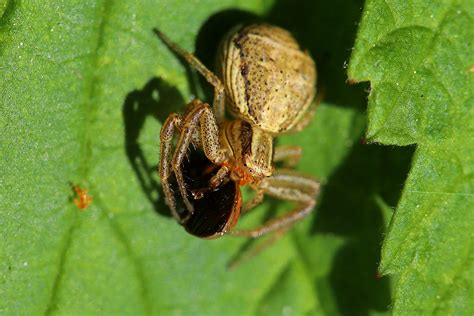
(348, 208)
(156, 99)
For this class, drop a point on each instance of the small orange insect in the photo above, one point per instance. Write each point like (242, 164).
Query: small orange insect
(82, 200)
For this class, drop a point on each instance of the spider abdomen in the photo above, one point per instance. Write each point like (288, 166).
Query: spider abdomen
(268, 79)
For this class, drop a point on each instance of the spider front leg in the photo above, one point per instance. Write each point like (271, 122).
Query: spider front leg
(289, 186)
(199, 123)
(219, 93)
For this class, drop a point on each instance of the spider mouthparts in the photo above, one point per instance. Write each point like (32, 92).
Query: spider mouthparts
(198, 194)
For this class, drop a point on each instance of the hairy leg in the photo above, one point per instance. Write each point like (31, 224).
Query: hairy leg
(256, 200)
(199, 117)
(290, 186)
(166, 142)
(219, 94)
(290, 155)
(257, 249)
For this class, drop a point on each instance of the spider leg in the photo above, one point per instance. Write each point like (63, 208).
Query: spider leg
(290, 186)
(289, 154)
(219, 93)
(166, 140)
(241, 258)
(256, 200)
(199, 118)
(219, 178)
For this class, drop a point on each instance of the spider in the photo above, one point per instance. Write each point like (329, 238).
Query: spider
(268, 84)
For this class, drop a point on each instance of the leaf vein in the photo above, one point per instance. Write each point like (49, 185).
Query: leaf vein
(52, 304)
(121, 237)
(391, 11)
(417, 64)
(91, 90)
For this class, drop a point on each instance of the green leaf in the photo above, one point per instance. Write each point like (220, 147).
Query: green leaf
(85, 87)
(418, 58)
